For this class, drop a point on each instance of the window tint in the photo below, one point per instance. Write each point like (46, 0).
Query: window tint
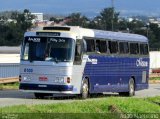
(146, 50)
(134, 48)
(101, 46)
(113, 46)
(143, 49)
(90, 45)
(123, 47)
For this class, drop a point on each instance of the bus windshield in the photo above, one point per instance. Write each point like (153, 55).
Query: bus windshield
(47, 49)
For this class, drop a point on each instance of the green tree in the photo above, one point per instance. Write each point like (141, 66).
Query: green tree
(12, 32)
(154, 35)
(108, 19)
(96, 23)
(135, 25)
(56, 20)
(76, 19)
(23, 20)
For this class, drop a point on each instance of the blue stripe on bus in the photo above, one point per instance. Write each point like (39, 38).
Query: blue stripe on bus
(112, 74)
(44, 87)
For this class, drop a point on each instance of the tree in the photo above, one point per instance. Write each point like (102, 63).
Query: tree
(154, 35)
(76, 19)
(96, 23)
(56, 20)
(107, 18)
(12, 32)
(135, 25)
(24, 20)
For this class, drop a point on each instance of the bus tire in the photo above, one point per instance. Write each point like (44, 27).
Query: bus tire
(85, 89)
(131, 88)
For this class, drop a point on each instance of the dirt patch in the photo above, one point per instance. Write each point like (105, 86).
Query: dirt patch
(154, 81)
(114, 109)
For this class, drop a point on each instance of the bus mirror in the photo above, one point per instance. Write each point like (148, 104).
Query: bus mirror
(78, 52)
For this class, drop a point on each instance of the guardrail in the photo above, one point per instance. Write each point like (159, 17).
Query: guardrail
(9, 80)
(9, 73)
(9, 70)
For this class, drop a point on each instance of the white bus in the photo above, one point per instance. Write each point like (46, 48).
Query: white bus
(74, 60)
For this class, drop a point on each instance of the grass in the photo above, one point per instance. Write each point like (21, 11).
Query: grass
(111, 107)
(155, 100)
(136, 105)
(93, 108)
(155, 78)
(9, 86)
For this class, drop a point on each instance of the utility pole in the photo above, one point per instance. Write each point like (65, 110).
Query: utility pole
(112, 14)
(148, 29)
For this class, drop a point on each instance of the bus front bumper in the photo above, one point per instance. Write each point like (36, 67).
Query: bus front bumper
(46, 87)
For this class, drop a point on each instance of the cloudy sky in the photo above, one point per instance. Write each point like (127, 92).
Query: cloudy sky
(149, 7)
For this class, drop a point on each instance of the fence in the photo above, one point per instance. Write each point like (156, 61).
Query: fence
(9, 70)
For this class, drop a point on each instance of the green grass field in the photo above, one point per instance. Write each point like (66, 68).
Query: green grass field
(111, 107)
(96, 108)
(9, 86)
(155, 78)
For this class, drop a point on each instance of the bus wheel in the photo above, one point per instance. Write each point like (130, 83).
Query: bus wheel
(131, 91)
(84, 89)
(131, 88)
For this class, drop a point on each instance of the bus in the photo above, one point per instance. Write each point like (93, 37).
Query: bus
(79, 61)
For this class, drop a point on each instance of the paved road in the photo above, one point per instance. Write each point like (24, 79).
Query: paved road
(15, 97)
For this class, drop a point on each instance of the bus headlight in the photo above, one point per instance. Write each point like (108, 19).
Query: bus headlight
(26, 78)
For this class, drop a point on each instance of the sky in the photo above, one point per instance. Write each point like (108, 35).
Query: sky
(86, 7)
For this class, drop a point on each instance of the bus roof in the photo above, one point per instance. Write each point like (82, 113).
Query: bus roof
(120, 36)
(113, 35)
(101, 34)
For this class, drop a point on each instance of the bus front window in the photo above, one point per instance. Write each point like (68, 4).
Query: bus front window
(33, 51)
(60, 49)
(48, 49)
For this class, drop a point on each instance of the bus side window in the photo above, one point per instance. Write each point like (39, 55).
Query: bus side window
(113, 46)
(146, 49)
(134, 48)
(123, 48)
(143, 49)
(98, 46)
(90, 45)
(101, 46)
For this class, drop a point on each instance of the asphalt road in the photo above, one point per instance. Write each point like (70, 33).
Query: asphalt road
(15, 97)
